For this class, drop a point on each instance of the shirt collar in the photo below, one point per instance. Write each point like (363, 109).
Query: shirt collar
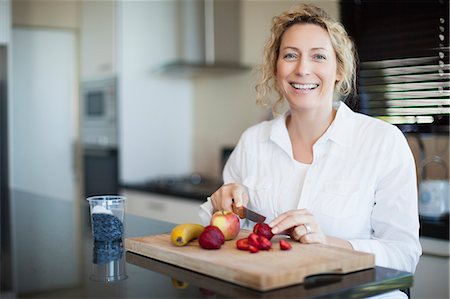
(342, 127)
(279, 133)
(338, 132)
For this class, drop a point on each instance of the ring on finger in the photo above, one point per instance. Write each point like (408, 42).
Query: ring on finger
(307, 228)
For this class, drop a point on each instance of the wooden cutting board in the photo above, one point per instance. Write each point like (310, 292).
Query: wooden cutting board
(265, 270)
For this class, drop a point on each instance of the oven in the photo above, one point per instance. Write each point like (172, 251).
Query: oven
(99, 112)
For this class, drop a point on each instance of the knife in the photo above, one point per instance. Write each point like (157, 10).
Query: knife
(243, 212)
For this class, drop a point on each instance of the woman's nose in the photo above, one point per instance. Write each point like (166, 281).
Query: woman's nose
(303, 67)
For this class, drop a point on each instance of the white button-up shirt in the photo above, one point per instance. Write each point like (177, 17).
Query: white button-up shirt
(360, 186)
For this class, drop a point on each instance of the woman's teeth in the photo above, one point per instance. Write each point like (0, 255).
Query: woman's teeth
(304, 86)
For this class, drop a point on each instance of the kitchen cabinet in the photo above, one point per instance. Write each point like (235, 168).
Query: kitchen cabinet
(432, 273)
(45, 14)
(97, 39)
(161, 207)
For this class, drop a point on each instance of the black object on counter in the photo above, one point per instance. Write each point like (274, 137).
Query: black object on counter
(435, 228)
(106, 227)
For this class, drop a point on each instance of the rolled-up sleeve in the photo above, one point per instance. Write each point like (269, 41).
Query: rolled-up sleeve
(205, 212)
(230, 175)
(395, 220)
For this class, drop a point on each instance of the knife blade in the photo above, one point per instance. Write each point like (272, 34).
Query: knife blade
(244, 212)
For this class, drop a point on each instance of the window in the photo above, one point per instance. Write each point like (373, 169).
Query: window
(403, 74)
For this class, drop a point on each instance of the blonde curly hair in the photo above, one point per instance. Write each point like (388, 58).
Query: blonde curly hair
(343, 46)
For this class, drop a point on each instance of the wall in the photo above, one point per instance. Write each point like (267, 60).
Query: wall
(225, 106)
(155, 113)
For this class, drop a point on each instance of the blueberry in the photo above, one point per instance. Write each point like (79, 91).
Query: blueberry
(106, 227)
(105, 252)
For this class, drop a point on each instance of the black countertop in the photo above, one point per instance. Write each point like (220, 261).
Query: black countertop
(192, 187)
(55, 257)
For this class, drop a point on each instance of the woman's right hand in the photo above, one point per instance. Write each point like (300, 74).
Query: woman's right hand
(222, 199)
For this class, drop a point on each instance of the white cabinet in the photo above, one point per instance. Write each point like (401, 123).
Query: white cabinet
(97, 39)
(431, 279)
(162, 207)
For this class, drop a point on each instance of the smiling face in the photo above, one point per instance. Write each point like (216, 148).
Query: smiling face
(306, 67)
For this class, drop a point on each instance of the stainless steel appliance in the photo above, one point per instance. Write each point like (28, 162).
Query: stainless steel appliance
(208, 38)
(99, 100)
(100, 136)
(434, 194)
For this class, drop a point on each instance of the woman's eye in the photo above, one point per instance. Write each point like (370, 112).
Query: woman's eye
(290, 56)
(320, 57)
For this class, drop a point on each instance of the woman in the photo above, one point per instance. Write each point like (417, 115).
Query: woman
(321, 172)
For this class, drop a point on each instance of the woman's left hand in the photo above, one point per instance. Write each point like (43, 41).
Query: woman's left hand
(300, 225)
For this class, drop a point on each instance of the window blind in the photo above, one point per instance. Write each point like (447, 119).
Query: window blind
(403, 74)
(409, 90)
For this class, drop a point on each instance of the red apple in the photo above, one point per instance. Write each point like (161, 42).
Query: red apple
(228, 222)
(211, 238)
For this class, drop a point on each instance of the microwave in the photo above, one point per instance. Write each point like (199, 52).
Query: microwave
(99, 112)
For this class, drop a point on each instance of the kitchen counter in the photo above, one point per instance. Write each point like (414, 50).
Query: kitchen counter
(54, 258)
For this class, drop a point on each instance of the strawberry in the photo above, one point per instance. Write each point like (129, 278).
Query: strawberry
(263, 229)
(253, 249)
(264, 243)
(253, 240)
(284, 245)
(242, 244)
